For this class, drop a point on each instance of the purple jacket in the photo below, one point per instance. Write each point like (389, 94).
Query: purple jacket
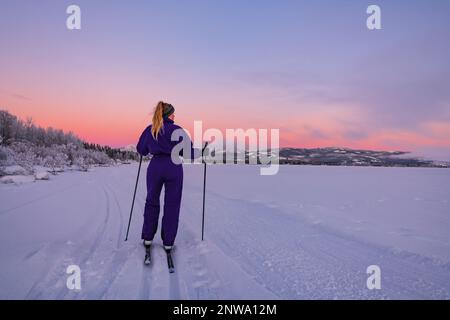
(163, 145)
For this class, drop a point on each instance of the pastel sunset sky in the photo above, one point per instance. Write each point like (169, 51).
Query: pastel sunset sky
(309, 68)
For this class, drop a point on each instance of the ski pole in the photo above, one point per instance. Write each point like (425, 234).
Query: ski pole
(134, 196)
(204, 187)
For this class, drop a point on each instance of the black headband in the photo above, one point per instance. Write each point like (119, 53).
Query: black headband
(168, 110)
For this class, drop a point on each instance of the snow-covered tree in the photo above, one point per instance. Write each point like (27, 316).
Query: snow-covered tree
(23, 155)
(80, 163)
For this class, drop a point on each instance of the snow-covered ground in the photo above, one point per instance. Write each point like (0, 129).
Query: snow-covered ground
(305, 233)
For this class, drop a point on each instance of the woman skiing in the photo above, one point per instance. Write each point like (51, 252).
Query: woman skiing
(162, 171)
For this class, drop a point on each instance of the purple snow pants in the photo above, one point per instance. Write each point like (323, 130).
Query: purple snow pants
(163, 172)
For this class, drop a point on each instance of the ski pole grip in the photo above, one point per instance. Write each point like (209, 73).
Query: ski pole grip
(206, 144)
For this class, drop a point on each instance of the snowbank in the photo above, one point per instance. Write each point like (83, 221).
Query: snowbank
(14, 170)
(16, 179)
(42, 175)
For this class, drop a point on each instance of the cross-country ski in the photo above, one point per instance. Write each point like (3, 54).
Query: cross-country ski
(148, 254)
(170, 260)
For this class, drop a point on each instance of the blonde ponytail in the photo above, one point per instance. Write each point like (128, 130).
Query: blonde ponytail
(157, 121)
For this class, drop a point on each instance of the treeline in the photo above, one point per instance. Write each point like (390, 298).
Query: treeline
(24, 144)
(113, 153)
(13, 129)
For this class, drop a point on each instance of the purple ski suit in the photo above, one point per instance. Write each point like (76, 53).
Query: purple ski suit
(161, 172)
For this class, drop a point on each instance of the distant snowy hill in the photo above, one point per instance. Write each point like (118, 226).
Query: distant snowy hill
(337, 157)
(354, 157)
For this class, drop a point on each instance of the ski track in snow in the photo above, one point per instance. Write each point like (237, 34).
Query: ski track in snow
(253, 249)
